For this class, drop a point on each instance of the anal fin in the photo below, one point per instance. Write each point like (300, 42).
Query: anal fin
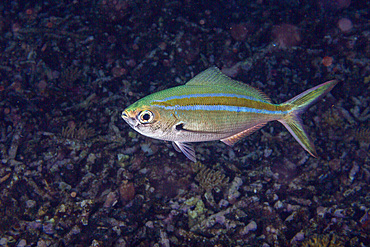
(231, 140)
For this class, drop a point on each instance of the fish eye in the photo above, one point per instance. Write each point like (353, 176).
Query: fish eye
(146, 117)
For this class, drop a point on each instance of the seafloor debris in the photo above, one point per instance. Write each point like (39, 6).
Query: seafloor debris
(209, 179)
(73, 174)
(81, 132)
(362, 134)
(323, 241)
(70, 75)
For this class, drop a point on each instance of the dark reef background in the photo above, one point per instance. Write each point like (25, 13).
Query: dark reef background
(73, 173)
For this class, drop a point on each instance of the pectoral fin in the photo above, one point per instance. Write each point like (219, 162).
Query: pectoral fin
(231, 140)
(186, 149)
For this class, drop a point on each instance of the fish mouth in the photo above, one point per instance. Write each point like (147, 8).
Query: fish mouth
(130, 120)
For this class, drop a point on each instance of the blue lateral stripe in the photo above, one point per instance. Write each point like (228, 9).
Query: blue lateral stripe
(188, 96)
(220, 108)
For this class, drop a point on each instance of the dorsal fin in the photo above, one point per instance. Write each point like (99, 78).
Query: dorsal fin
(214, 77)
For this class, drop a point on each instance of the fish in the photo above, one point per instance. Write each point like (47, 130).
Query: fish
(212, 106)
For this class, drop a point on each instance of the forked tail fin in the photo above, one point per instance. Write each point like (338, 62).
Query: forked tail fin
(298, 104)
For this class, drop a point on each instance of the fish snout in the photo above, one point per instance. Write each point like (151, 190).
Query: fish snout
(130, 120)
(124, 115)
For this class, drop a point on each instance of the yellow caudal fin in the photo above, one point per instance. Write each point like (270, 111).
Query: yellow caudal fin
(294, 125)
(298, 104)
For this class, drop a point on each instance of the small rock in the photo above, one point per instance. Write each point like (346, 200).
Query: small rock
(110, 200)
(126, 191)
(22, 243)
